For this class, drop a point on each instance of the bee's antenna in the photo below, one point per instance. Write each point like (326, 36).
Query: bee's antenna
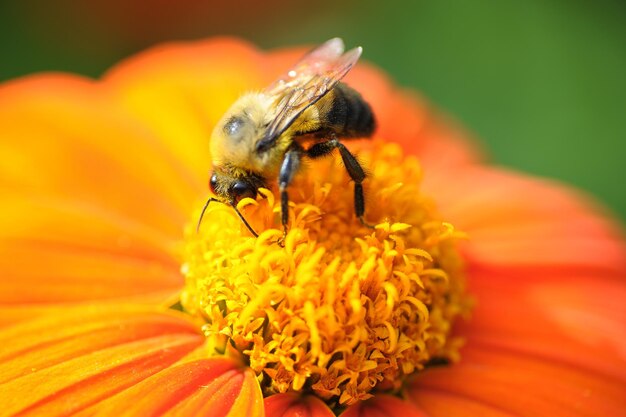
(203, 210)
(255, 234)
(244, 221)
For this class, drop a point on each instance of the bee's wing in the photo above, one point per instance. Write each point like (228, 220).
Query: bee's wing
(304, 84)
(309, 64)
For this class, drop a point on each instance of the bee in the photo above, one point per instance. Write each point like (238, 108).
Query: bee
(262, 136)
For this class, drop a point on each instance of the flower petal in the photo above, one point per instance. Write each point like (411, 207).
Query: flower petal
(216, 387)
(441, 403)
(383, 406)
(564, 318)
(61, 364)
(63, 138)
(492, 382)
(548, 275)
(294, 405)
(523, 223)
(437, 140)
(91, 204)
(50, 260)
(181, 90)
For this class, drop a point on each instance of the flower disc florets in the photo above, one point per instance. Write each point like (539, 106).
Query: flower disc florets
(341, 310)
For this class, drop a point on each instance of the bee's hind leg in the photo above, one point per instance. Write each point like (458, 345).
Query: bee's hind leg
(352, 166)
(288, 169)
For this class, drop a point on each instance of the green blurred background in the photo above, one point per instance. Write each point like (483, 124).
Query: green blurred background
(542, 83)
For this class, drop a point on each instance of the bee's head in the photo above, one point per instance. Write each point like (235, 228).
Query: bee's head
(230, 187)
(233, 189)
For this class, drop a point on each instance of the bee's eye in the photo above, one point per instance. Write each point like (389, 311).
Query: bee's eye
(233, 127)
(213, 183)
(241, 190)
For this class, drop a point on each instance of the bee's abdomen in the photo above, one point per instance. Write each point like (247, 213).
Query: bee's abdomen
(348, 114)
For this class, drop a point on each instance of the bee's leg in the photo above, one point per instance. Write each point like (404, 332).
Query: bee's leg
(288, 169)
(352, 166)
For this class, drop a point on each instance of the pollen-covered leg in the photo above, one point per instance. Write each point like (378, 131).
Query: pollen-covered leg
(291, 164)
(352, 166)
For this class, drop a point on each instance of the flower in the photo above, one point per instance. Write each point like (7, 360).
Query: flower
(99, 179)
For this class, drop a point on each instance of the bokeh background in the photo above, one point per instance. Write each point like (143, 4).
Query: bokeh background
(541, 82)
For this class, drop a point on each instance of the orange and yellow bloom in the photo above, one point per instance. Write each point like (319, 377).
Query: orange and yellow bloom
(101, 185)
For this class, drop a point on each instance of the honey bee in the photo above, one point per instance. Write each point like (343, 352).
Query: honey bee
(262, 135)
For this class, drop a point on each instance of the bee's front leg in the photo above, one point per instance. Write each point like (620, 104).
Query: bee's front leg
(288, 169)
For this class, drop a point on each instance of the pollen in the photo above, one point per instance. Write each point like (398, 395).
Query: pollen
(339, 309)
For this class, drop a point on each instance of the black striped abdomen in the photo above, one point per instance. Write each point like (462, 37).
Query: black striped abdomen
(347, 114)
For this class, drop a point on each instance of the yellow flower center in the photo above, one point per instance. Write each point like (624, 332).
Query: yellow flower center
(341, 310)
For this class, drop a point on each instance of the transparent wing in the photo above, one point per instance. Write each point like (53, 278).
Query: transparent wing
(314, 62)
(305, 83)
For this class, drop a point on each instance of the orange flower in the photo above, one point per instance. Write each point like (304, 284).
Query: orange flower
(100, 178)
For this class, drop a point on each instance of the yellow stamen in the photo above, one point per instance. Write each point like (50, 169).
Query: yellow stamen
(341, 310)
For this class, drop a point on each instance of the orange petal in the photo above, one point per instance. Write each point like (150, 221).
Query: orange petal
(62, 251)
(577, 320)
(91, 203)
(61, 364)
(383, 406)
(181, 90)
(436, 403)
(58, 253)
(548, 275)
(294, 405)
(209, 387)
(492, 382)
(63, 139)
(437, 140)
(522, 223)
